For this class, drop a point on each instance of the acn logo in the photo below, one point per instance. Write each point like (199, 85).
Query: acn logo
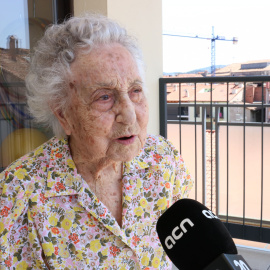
(241, 264)
(209, 214)
(170, 240)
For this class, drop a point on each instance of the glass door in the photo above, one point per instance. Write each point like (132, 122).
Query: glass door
(22, 23)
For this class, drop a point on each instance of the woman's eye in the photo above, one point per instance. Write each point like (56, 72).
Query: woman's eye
(104, 97)
(136, 94)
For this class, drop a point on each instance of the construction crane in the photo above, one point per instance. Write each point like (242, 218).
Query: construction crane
(213, 39)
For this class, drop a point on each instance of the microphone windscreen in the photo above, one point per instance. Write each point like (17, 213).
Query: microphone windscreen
(192, 236)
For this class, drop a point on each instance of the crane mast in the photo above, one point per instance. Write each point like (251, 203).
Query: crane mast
(213, 39)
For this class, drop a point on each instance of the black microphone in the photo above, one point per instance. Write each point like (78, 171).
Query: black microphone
(195, 239)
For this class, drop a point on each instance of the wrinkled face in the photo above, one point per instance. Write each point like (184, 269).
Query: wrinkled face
(108, 112)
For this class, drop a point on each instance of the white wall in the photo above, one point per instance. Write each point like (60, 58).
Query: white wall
(143, 19)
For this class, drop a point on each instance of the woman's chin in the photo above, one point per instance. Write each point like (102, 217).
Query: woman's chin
(126, 153)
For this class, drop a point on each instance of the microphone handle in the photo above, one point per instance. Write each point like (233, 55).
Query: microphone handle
(228, 262)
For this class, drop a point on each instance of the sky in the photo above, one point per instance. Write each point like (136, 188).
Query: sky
(14, 21)
(247, 20)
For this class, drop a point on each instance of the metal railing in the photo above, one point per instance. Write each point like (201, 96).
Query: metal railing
(217, 128)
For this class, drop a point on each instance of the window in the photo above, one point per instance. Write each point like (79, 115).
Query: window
(21, 25)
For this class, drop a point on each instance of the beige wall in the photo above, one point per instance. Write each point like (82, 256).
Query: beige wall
(143, 19)
(81, 6)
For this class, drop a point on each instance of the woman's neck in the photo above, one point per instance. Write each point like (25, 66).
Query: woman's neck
(107, 186)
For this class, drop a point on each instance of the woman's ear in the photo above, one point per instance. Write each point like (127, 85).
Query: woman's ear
(63, 120)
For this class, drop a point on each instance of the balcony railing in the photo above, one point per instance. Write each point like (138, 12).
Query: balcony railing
(221, 126)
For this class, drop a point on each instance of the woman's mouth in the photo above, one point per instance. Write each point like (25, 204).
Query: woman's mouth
(126, 140)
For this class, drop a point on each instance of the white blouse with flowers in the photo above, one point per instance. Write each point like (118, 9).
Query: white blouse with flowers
(50, 219)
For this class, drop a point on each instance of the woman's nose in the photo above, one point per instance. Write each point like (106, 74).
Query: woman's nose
(126, 113)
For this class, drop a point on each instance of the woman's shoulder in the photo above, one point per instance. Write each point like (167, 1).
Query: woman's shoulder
(24, 180)
(30, 168)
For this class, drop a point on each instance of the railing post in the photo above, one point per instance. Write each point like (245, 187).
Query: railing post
(162, 109)
(204, 154)
(217, 111)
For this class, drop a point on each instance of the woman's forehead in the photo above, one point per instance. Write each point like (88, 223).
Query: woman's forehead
(103, 54)
(108, 65)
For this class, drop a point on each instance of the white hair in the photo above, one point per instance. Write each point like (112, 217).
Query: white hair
(47, 80)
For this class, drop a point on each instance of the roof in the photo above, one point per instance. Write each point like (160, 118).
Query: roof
(186, 75)
(203, 94)
(256, 67)
(18, 68)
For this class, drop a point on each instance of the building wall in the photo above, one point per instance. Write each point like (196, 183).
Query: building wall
(82, 6)
(143, 19)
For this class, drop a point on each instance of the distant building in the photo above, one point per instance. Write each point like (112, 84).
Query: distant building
(254, 95)
(183, 105)
(252, 68)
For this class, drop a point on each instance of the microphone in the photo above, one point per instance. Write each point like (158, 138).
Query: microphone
(195, 239)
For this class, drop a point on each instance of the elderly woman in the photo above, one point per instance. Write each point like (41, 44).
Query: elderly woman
(90, 197)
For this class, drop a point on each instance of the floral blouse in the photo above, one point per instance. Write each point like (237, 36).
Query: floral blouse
(50, 218)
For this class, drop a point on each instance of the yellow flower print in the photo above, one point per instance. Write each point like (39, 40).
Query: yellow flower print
(38, 151)
(166, 175)
(32, 238)
(177, 187)
(35, 198)
(70, 214)
(183, 189)
(53, 220)
(139, 183)
(22, 266)
(95, 245)
(143, 202)
(2, 227)
(104, 252)
(156, 262)
(127, 198)
(145, 260)
(62, 245)
(70, 163)
(119, 243)
(142, 164)
(21, 173)
(172, 178)
(48, 248)
(148, 208)
(15, 259)
(66, 224)
(19, 205)
(31, 187)
(79, 255)
(4, 240)
(159, 252)
(63, 253)
(160, 149)
(139, 230)
(50, 183)
(69, 181)
(162, 203)
(138, 211)
(39, 264)
(76, 209)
